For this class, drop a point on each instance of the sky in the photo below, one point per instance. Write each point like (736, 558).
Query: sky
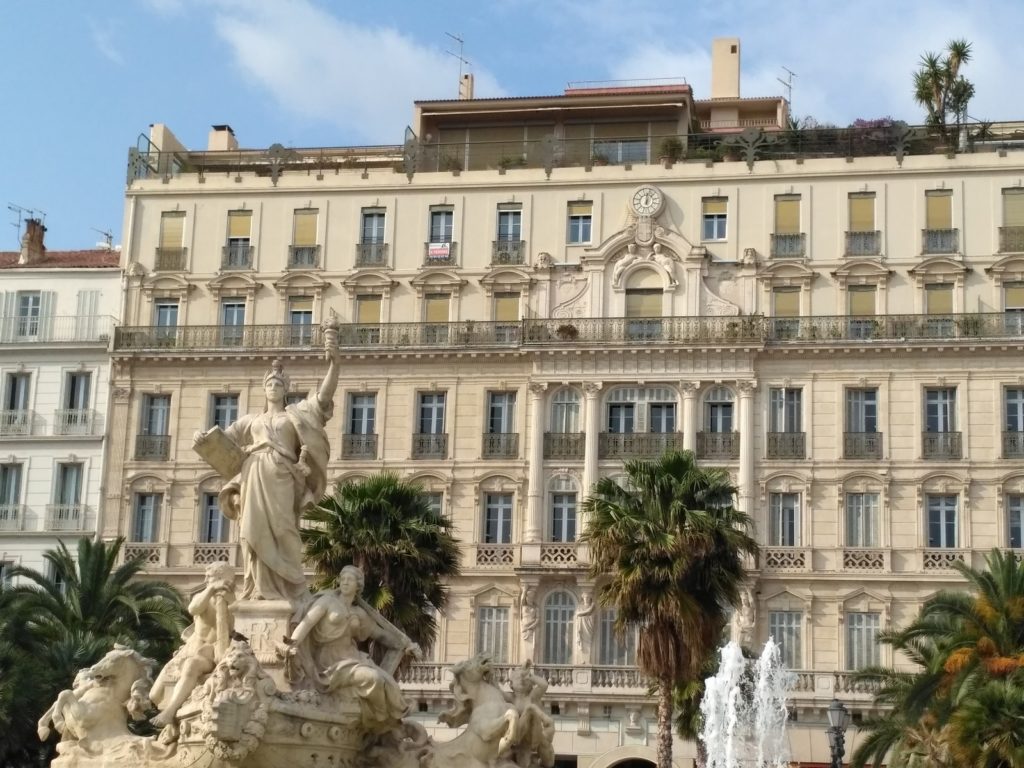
(80, 80)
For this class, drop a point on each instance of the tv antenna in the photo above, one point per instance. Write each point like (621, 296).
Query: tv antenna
(108, 237)
(459, 56)
(788, 85)
(22, 213)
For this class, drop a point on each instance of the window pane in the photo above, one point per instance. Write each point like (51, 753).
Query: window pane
(786, 302)
(787, 214)
(559, 621)
(305, 227)
(239, 224)
(1013, 207)
(862, 299)
(862, 212)
(644, 302)
(939, 209)
(172, 229)
(436, 308)
(506, 307)
(939, 299)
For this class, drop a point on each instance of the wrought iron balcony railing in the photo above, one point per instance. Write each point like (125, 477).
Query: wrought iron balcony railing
(74, 421)
(236, 256)
(500, 445)
(1013, 445)
(430, 446)
(371, 254)
(57, 329)
(359, 446)
(1011, 239)
(683, 331)
(862, 445)
(721, 446)
(863, 243)
(440, 254)
(303, 256)
(638, 444)
(508, 252)
(787, 445)
(152, 447)
(12, 517)
(789, 246)
(170, 259)
(65, 517)
(564, 445)
(940, 241)
(941, 445)
(16, 423)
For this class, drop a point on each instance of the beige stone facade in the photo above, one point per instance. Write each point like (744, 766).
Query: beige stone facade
(844, 334)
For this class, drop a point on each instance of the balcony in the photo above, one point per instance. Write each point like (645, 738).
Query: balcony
(56, 329)
(74, 421)
(786, 559)
(236, 256)
(863, 243)
(496, 555)
(558, 554)
(866, 559)
(148, 553)
(605, 679)
(508, 252)
(12, 517)
(65, 517)
(152, 447)
(941, 445)
(430, 446)
(359, 446)
(440, 254)
(862, 445)
(16, 423)
(631, 445)
(209, 553)
(1011, 239)
(170, 259)
(943, 559)
(371, 254)
(303, 256)
(718, 446)
(500, 445)
(934, 241)
(789, 246)
(787, 445)
(564, 445)
(1013, 445)
(681, 331)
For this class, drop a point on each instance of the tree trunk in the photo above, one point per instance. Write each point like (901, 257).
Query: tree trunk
(664, 723)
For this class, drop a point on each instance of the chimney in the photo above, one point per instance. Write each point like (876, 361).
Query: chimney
(466, 87)
(725, 68)
(221, 139)
(32, 248)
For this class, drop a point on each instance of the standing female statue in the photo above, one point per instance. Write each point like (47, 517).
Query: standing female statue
(283, 453)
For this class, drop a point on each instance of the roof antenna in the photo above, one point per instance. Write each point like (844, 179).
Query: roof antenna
(108, 238)
(459, 56)
(788, 85)
(23, 213)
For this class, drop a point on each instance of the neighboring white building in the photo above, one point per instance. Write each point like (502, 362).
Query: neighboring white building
(57, 314)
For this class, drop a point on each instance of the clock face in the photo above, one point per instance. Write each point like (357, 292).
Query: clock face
(647, 201)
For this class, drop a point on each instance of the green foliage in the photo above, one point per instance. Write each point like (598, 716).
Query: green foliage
(941, 89)
(406, 551)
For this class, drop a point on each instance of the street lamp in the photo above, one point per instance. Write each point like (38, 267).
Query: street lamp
(838, 720)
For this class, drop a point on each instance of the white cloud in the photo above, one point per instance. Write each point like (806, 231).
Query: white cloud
(103, 36)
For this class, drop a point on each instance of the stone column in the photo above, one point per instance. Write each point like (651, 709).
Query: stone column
(690, 417)
(746, 471)
(592, 417)
(535, 498)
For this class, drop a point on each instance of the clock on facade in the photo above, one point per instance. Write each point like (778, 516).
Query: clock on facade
(647, 201)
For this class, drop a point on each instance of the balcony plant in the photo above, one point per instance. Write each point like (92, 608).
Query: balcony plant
(670, 150)
(511, 161)
(451, 163)
(599, 158)
(567, 332)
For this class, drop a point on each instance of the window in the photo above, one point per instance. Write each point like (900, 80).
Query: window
(362, 414)
(214, 528)
(938, 299)
(563, 516)
(165, 313)
(787, 214)
(436, 308)
(559, 623)
(580, 218)
(785, 410)
(501, 412)
(862, 211)
(1014, 519)
(497, 518)
(232, 320)
(1011, 234)
(146, 517)
(5, 573)
(304, 249)
(862, 640)
(862, 519)
(223, 410)
(939, 209)
(435, 500)
(368, 306)
(611, 650)
(942, 521)
(506, 312)
(172, 231)
(373, 225)
(237, 252)
(862, 410)
(1015, 410)
(784, 628)
(77, 391)
(940, 409)
(68, 491)
(492, 633)
(662, 418)
(10, 489)
(300, 317)
(786, 308)
(718, 410)
(621, 418)
(1013, 303)
(30, 305)
(565, 411)
(441, 225)
(156, 414)
(714, 218)
(860, 305)
(510, 224)
(784, 520)
(431, 413)
(16, 397)
(294, 398)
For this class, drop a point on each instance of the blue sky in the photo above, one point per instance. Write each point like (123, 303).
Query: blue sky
(79, 81)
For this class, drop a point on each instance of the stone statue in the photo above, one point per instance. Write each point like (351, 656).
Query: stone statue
(528, 610)
(585, 627)
(324, 648)
(205, 643)
(665, 262)
(535, 730)
(285, 451)
(632, 255)
(741, 629)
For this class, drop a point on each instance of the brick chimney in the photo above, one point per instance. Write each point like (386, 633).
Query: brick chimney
(32, 248)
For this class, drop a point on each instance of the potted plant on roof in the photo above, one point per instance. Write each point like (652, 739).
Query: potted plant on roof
(452, 163)
(599, 158)
(670, 151)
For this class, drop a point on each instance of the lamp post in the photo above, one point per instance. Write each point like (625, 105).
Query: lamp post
(838, 720)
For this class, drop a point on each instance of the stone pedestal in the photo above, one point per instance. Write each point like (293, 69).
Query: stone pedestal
(265, 623)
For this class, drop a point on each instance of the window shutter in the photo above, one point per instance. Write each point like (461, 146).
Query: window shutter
(939, 299)
(1013, 207)
(643, 302)
(862, 300)
(305, 227)
(939, 209)
(506, 307)
(239, 224)
(369, 310)
(580, 209)
(300, 304)
(436, 308)
(172, 229)
(88, 311)
(714, 205)
(862, 212)
(786, 302)
(7, 319)
(47, 306)
(787, 215)
(1013, 295)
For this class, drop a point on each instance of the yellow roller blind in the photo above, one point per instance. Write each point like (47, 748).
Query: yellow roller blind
(368, 309)
(506, 307)
(1013, 296)
(239, 223)
(787, 302)
(939, 209)
(580, 209)
(787, 214)
(643, 302)
(939, 298)
(1013, 207)
(862, 299)
(301, 304)
(714, 205)
(305, 227)
(862, 212)
(436, 307)
(172, 229)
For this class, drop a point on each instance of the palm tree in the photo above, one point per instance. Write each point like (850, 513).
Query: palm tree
(941, 89)
(671, 545)
(405, 549)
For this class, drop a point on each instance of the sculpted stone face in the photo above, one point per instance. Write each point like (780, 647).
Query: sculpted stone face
(274, 390)
(348, 584)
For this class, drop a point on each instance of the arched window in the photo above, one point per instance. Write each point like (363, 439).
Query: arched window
(718, 410)
(563, 509)
(565, 411)
(559, 621)
(611, 649)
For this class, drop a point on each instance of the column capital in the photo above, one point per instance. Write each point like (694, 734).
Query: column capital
(537, 388)
(592, 388)
(689, 388)
(746, 387)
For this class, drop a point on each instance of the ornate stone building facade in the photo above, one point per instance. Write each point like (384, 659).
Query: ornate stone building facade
(529, 297)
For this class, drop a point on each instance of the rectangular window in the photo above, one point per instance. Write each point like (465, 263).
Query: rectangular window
(30, 308)
(304, 227)
(172, 230)
(441, 225)
(1013, 209)
(362, 414)
(294, 398)
(862, 640)
(10, 486)
(621, 418)
(232, 320)
(1014, 520)
(497, 518)
(786, 302)
(5, 573)
(785, 409)
(431, 413)
(435, 307)
(862, 519)
(719, 417)
(146, 517)
(214, 527)
(784, 628)
(223, 410)
(862, 211)
(1014, 410)
(165, 314)
(68, 491)
(492, 633)
(714, 218)
(613, 651)
(862, 410)
(938, 209)
(942, 521)
(938, 299)
(372, 225)
(565, 413)
(563, 517)
(580, 220)
(506, 307)
(368, 309)
(861, 300)
(435, 501)
(16, 396)
(940, 409)
(643, 302)
(300, 317)
(1013, 306)
(784, 520)
(510, 224)
(77, 391)
(501, 412)
(662, 418)
(156, 414)
(787, 214)
(239, 227)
